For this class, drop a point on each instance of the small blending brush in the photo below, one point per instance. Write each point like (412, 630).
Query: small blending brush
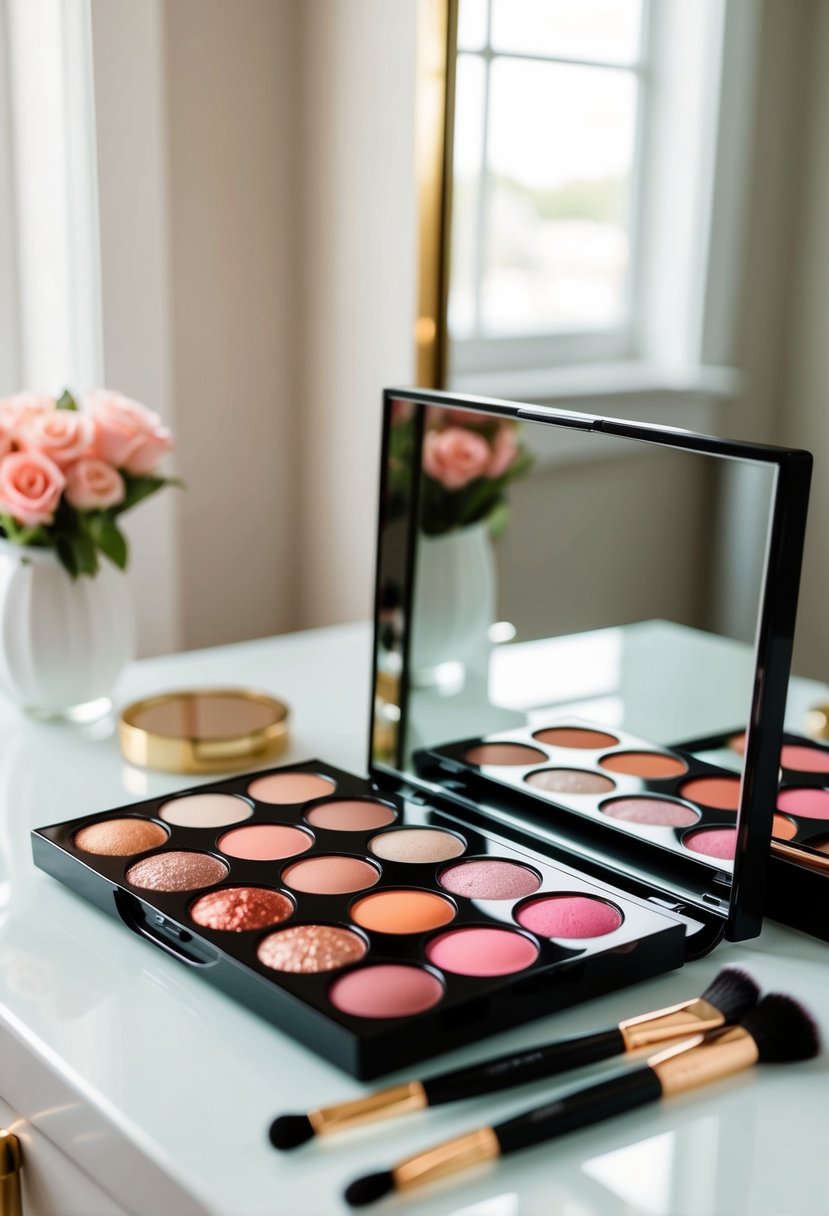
(731, 994)
(778, 1030)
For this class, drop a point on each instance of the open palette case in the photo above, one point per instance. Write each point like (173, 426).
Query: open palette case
(559, 599)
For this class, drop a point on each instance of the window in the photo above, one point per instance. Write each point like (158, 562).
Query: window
(549, 109)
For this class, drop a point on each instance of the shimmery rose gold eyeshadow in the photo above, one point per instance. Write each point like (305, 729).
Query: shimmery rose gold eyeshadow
(503, 754)
(234, 909)
(570, 781)
(575, 736)
(120, 837)
(176, 870)
(283, 789)
(308, 949)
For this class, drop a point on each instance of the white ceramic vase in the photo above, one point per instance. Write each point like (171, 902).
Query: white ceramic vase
(454, 599)
(63, 643)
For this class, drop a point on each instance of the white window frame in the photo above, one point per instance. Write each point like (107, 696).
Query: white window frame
(9, 328)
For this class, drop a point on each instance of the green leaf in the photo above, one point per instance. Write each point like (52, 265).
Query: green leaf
(109, 538)
(139, 488)
(66, 555)
(66, 401)
(86, 557)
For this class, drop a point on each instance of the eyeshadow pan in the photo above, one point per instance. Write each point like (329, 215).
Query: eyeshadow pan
(804, 759)
(205, 810)
(265, 842)
(330, 875)
(482, 952)
(721, 793)
(712, 842)
(309, 949)
(650, 765)
(235, 909)
(783, 828)
(651, 812)
(402, 911)
(351, 815)
(119, 837)
(503, 754)
(416, 846)
(569, 916)
(805, 802)
(489, 878)
(283, 789)
(176, 870)
(388, 990)
(575, 736)
(569, 781)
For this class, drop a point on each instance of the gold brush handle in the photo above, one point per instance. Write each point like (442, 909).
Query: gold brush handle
(11, 1161)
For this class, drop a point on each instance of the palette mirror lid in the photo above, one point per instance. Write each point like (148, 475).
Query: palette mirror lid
(561, 600)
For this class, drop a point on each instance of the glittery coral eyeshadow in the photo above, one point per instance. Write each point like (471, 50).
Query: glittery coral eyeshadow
(307, 949)
(234, 909)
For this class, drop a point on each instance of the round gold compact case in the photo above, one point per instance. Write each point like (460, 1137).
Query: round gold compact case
(204, 730)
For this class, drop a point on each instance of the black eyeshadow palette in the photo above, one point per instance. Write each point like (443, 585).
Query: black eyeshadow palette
(376, 929)
(798, 887)
(664, 798)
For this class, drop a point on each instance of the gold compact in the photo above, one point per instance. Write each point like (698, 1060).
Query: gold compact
(204, 730)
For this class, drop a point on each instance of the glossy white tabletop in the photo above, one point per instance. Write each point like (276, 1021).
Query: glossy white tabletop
(163, 1089)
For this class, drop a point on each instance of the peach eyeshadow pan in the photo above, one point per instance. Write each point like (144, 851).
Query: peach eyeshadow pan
(289, 788)
(265, 842)
(330, 875)
(402, 911)
(351, 815)
(120, 837)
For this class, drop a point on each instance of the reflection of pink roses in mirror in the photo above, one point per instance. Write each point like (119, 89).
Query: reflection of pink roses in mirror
(504, 450)
(401, 411)
(455, 457)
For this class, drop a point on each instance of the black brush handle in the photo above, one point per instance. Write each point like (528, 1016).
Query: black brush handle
(519, 1068)
(579, 1109)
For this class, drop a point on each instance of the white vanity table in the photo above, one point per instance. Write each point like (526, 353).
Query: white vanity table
(135, 1087)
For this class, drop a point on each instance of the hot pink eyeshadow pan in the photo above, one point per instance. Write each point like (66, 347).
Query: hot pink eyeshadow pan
(807, 803)
(481, 952)
(712, 842)
(804, 759)
(388, 990)
(574, 916)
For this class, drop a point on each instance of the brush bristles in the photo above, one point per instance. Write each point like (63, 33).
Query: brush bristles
(782, 1029)
(733, 992)
(369, 1189)
(289, 1131)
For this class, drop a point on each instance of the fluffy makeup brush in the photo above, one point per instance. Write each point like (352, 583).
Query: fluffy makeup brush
(779, 1030)
(730, 995)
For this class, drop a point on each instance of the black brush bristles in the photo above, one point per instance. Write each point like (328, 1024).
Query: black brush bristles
(733, 992)
(369, 1189)
(782, 1029)
(289, 1131)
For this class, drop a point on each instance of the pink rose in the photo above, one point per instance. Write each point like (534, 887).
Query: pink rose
(127, 434)
(62, 435)
(455, 457)
(16, 411)
(504, 450)
(93, 484)
(30, 488)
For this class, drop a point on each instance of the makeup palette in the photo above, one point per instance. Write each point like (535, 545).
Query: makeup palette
(798, 887)
(376, 929)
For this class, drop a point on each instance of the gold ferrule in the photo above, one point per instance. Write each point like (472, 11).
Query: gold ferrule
(448, 1158)
(704, 1059)
(385, 1103)
(11, 1198)
(673, 1022)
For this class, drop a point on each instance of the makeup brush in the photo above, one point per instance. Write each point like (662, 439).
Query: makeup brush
(730, 995)
(778, 1030)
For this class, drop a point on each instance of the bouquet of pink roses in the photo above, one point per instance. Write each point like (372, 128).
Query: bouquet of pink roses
(67, 472)
(468, 461)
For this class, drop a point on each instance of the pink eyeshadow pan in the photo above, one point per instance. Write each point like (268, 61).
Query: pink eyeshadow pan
(482, 952)
(265, 842)
(572, 916)
(652, 812)
(712, 842)
(351, 815)
(805, 802)
(388, 990)
(804, 759)
(489, 879)
(330, 875)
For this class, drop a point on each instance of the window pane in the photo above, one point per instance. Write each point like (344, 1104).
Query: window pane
(466, 185)
(561, 145)
(471, 25)
(607, 30)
